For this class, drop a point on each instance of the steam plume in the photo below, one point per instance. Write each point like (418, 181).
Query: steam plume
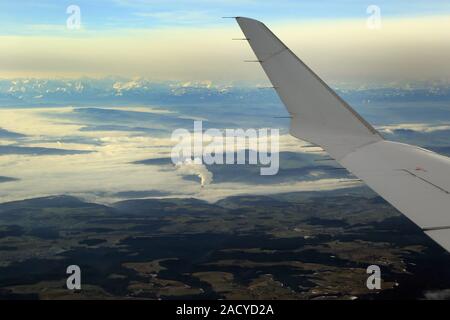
(196, 167)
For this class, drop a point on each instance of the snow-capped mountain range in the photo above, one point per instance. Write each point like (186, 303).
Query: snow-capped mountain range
(109, 89)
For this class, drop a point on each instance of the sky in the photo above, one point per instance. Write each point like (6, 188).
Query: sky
(189, 40)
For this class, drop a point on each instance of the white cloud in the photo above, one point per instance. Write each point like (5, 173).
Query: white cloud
(109, 169)
(419, 127)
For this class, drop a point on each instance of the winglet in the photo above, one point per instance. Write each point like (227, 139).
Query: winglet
(319, 115)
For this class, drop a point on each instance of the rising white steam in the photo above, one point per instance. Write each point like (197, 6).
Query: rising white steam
(195, 167)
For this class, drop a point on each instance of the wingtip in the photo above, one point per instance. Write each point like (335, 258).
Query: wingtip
(240, 18)
(247, 19)
(245, 22)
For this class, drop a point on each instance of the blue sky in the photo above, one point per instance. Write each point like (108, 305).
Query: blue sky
(17, 16)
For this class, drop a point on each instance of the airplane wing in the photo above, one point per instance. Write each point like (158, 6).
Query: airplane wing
(414, 180)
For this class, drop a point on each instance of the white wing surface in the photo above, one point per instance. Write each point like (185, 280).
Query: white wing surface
(414, 180)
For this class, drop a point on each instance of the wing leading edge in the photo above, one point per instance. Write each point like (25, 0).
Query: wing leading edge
(414, 180)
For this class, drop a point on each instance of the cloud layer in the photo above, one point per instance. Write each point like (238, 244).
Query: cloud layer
(106, 165)
(358, 53)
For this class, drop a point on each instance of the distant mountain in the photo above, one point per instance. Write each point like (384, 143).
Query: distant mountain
(51, 212)
(7, 179)
(39, 151)
(46, 202)
(161, 207)
(85, 90)
(5, 134)
(118, 89)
